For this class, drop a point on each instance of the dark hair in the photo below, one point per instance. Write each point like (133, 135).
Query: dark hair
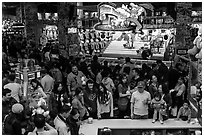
(127, 59)
(178, 65)
(38, 83)
(102, 96)
(12, 77)
(55, 88)
(186, 101)
(65, 109)
(74, 111)
(39, 121)
(182, 78)
(78, 90)
(6, 91)
(157, 94)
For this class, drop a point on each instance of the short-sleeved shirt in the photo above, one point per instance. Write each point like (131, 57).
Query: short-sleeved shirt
(75, 81)
(16, 90)
(137, 99)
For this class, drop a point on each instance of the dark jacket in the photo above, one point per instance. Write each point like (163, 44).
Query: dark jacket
(73, 125)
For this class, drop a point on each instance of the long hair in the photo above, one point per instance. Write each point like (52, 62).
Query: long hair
(37, 82)
(103, 96)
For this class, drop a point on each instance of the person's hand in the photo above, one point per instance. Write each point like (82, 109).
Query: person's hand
(145, 101)
(132, 116)
(99, 117)
(177, 119)
(89, 108)
(188, 121)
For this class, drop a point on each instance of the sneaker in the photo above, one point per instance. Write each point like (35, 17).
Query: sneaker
(153, 121)
(161, 121)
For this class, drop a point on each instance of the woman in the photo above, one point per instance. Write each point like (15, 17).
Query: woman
(178, 94)
(163, 90)
(57, 99)
(153, 87)
(78, 103)
(37, 94)
(90, 98)
(74, 122)
(124, 98)
(104, 103)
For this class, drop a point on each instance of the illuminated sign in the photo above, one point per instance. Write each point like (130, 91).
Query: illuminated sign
(123, 18)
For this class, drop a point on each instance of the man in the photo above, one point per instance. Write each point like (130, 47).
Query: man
(60, 120)
(7, 102)
(16, 90)
(42, 128)
(12, 122)
(74, 79)
(127, 68)
(139, 102)
(135, 78)
(47, 81)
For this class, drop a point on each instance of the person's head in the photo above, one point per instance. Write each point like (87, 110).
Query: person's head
(154, 79)
(90, 84)
(74, 69)
(6, 94)
(39, 121)
(75, 113)
(179, 66)
(105, 63)
(95, 58)
(65, 111)
(135, 72)
(57, 87)
(127, 59)
(163, 88)
(141, 86)
(79, 92)
(11, 77)
(181, 80)
(102, 88)
(159, 62)
(186, 104)
(35, 83)
(124, 78)
(157, 96)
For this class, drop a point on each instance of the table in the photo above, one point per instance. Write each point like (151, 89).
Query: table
(127, 124)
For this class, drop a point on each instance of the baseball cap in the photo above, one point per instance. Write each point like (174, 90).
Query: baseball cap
(140, 84)
(17, 108)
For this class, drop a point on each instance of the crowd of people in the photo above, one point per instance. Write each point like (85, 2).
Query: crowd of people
(71, 90)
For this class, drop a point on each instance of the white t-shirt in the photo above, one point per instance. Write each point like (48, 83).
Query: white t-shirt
(137, 99)
(16, 91)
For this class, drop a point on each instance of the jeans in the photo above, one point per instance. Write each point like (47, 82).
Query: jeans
(155, 114)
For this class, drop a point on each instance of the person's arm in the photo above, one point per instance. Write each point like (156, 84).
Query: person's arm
(132, 100)
(181, 90)
(17, 128)
(98, 109)
(111, 105)
(189, 115)
(69, 84)
(179, 113)
(42, 92)
(120, 91)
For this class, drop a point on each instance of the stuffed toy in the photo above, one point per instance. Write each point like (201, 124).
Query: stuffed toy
(196, 50)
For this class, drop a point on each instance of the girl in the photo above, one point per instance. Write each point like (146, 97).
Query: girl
(90, 98)
(164, 92)
(159, 105)
(124, 97)
(153, 87)
(37, 90)
(78, 103)
(57, 99)
(104, 103)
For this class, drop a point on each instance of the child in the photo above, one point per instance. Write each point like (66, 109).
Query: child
(158, 105)
(184, 112)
